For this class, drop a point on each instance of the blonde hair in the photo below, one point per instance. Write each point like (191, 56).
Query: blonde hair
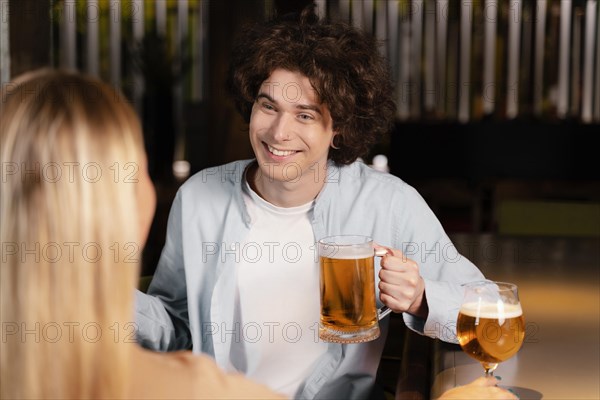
(69, 148)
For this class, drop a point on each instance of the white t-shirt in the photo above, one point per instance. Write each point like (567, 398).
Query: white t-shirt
(277, 297)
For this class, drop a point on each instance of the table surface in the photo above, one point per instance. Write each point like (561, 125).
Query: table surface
(559, 289)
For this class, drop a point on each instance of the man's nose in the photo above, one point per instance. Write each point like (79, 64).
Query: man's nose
(281, 127)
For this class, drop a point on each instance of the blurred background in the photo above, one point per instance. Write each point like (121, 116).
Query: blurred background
(498, 100)
(498, 106)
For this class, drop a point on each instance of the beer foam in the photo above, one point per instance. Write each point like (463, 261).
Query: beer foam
(345, 252)
(491, 310)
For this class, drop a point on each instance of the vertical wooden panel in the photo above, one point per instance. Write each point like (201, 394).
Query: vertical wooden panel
(515, 17)
(149, 13)
(181, 37)
(68, 23)
(564, 58)
(357, 13)
(588, 63)
(344, 10)
(138, 20)
(321, 8)
(464, 100)
(381, 28)
(404, 82)
(452, 63)
(540, 42)
(392, 32)
(115, 42)
(4, 43)
(490, 15)
(199, 50)
(182, 23)
(93, 48)
(367, 11)
(416, 48)
(161, 17)
(597, 86)
(575, 92)
(442, 10)
(525, 80)
(430, 91)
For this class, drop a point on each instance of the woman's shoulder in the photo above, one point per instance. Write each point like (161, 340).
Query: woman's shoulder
(184, 375)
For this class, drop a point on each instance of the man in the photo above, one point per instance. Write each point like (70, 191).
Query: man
(238, 278)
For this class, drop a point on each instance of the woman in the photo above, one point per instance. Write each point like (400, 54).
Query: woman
(76, 205)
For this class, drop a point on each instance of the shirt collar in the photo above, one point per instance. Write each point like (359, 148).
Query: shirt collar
(332, 180)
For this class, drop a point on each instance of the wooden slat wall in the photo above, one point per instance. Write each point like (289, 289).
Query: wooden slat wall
(454, 61)
(521, 68)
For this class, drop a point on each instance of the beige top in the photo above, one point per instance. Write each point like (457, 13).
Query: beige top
(183, 375)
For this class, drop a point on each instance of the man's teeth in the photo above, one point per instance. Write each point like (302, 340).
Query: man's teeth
(280, 153)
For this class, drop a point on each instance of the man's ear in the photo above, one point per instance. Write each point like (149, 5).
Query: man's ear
(332, 144)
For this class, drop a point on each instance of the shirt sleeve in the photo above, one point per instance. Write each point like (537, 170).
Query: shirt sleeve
(443, 269)
(162, 314)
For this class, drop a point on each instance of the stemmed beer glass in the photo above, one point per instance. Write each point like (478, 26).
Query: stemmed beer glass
(490, 325)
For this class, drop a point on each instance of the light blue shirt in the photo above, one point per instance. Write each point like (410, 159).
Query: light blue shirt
(191, 300)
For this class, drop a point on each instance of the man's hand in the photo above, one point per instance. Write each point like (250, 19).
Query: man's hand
(401, 287)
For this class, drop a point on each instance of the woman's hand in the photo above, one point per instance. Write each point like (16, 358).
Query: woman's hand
(401, 287)
(481, 389)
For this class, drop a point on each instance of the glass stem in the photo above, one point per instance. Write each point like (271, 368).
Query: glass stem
(489, 368)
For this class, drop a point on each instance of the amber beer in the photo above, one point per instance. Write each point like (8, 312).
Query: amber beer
(348, 306)
(490, 333)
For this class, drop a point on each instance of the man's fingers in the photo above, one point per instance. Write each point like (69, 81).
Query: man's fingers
(399, 264)
(399, 276)
(381, 251)
(390, 251)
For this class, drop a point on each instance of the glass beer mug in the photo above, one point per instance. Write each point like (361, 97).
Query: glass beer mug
(349, 311)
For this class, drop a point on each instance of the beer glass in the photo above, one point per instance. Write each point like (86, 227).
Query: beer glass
(490, 325)
(349, 312)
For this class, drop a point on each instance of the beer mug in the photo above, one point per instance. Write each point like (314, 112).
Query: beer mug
(349, 312)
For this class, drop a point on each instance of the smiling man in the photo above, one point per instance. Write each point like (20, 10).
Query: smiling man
(291, 133)
(238, 277)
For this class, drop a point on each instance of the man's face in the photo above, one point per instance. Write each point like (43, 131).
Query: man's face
(290, 130)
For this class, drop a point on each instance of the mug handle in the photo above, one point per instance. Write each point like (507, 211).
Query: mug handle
(385, 310)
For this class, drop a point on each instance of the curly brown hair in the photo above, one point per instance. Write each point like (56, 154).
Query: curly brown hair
(343, 65)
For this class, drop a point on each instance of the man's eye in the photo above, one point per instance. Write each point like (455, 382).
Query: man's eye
(267, 106)
(305, 117)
